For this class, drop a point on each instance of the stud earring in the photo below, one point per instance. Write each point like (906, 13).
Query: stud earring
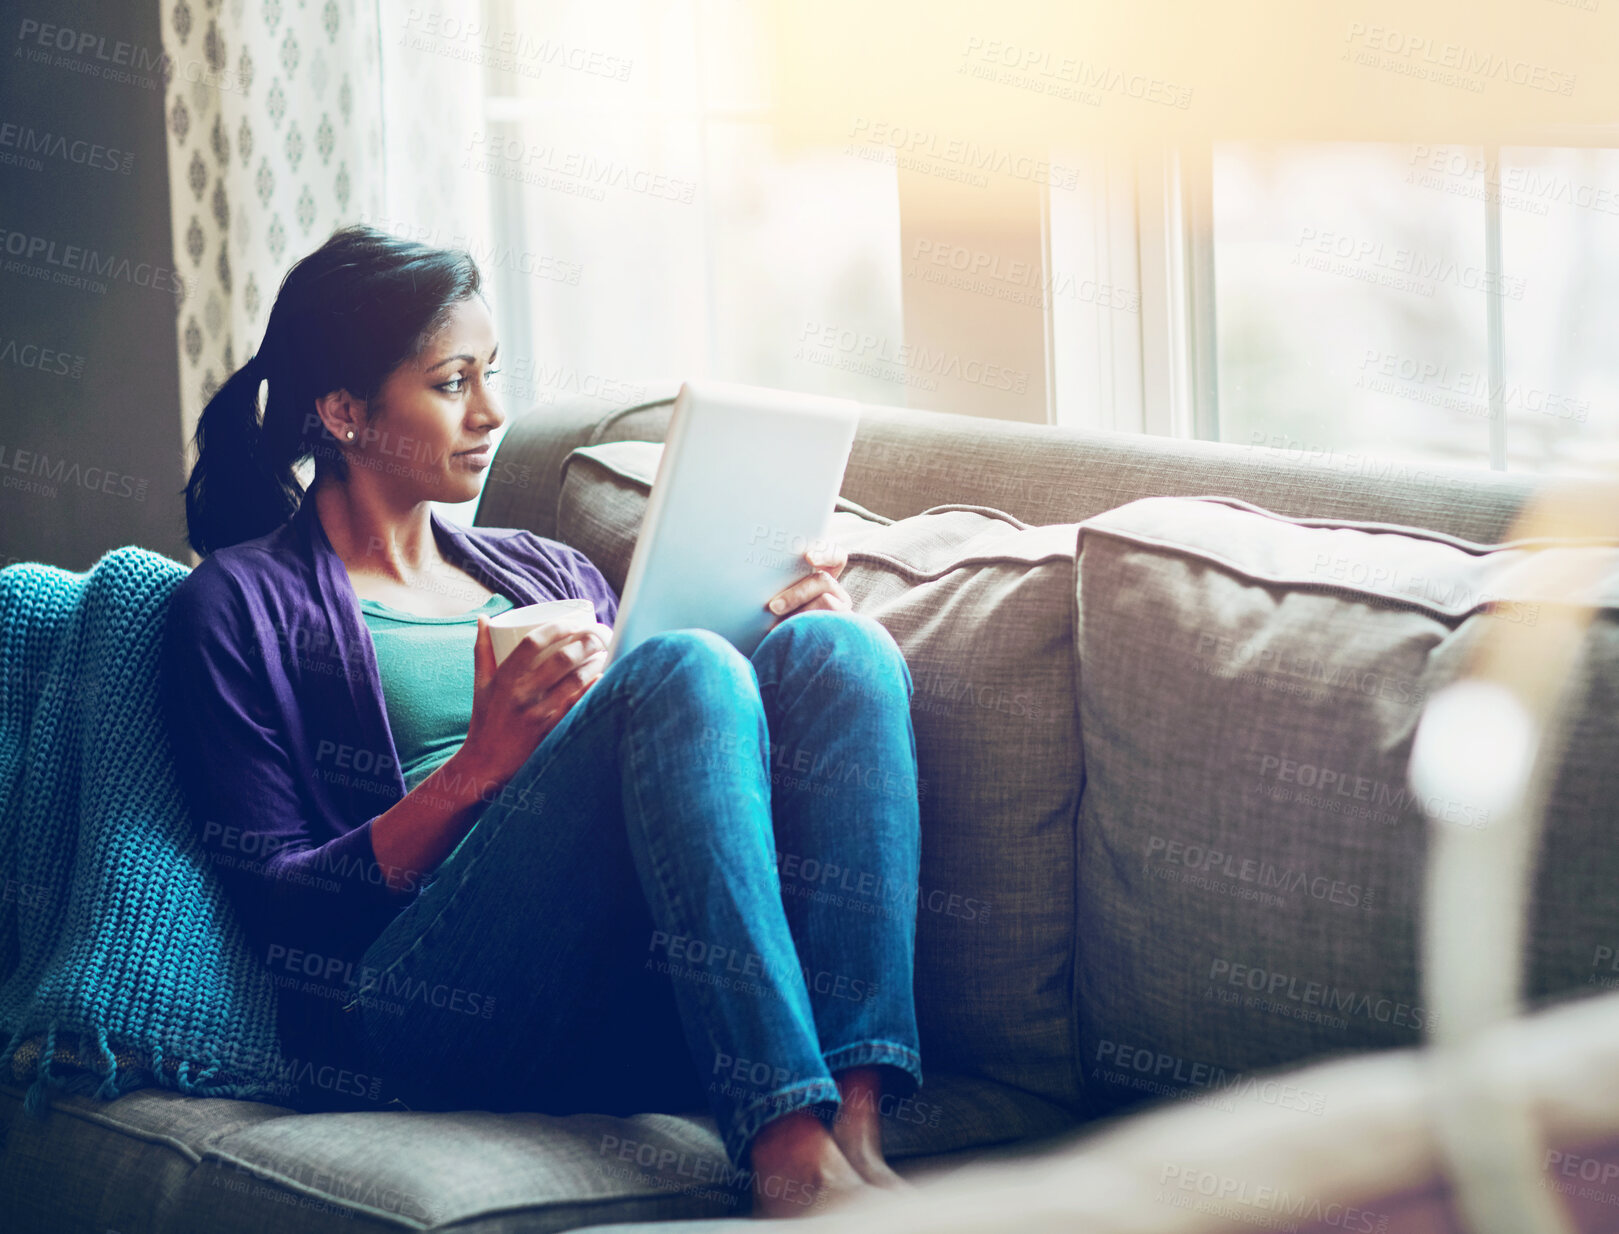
(351, 434)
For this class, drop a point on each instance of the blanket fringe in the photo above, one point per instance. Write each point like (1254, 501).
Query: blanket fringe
(109, 1086)
(110, 1080)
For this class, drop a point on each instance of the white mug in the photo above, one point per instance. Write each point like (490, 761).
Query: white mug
(508, 629)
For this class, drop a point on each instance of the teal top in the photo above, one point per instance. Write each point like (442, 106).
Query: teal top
(426, 668)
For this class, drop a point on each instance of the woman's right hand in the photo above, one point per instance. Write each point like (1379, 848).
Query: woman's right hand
(517, 703)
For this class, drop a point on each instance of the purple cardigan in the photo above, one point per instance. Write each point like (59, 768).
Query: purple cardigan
(281, 739)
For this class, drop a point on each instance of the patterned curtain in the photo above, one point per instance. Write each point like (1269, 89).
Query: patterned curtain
(275, 137)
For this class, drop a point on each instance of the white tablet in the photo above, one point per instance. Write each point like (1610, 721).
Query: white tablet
(747, 483)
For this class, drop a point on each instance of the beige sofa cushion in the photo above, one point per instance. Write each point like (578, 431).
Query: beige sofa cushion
(1253, 855)
(157, 1162)
(983, 608)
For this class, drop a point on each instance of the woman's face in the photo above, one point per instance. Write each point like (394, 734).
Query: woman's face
(430, 424)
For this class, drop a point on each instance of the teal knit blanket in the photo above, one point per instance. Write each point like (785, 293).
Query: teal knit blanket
(117, 942)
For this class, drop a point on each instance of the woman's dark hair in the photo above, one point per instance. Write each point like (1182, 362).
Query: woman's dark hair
(345, 317)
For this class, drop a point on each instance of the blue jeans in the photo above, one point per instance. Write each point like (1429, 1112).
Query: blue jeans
(702, 882)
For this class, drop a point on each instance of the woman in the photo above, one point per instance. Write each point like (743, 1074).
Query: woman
(540, 885)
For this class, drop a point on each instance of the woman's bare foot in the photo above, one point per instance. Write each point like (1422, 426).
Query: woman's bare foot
(858, 1128)
(798, 1168)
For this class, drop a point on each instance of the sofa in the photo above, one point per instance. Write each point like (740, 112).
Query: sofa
(1101, 742)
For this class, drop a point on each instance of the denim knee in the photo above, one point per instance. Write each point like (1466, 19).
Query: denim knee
(684, 653)
(859, 645)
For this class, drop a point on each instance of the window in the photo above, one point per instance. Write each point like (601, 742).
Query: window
(1412, 303)
(1426, 303)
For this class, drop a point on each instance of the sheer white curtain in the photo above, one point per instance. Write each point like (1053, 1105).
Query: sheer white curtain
(432, 80)
(643, 222)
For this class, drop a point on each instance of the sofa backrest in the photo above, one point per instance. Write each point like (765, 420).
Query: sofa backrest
(1254, 856)
(906, 461)
(1002, 827)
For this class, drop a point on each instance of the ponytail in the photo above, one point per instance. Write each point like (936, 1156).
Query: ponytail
(345, 318)
(235, 493)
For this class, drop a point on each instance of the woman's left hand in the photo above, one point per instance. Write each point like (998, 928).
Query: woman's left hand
(820, 589)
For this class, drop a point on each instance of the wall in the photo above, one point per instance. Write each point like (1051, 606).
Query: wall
(90, 449)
